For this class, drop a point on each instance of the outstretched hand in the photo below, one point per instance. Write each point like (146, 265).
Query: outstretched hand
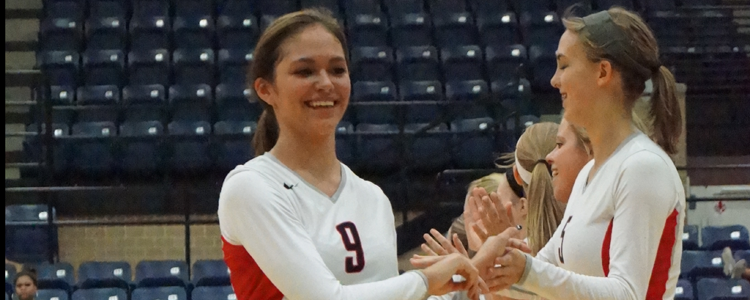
(437, 244)
(488, 210)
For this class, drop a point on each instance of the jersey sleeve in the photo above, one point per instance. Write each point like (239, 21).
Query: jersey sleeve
(644, 200)
(257, 216)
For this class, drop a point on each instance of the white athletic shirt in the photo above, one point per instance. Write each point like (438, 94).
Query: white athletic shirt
(285, 239)
(620, 237)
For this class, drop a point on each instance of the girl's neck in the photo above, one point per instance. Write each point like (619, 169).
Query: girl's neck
(311, 155)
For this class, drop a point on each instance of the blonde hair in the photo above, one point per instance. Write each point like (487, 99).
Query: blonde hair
(489, 183)
(545, 212)
(665, 115)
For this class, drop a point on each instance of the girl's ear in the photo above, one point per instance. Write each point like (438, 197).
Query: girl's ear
(265, 90)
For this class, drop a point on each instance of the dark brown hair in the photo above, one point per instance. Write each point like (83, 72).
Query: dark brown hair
(26, 272)
(267, 54)
(644, 51)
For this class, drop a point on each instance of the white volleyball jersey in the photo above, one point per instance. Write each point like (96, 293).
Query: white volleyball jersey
(285, 239)
(620, 237)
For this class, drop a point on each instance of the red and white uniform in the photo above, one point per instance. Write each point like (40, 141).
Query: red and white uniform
(620, 237)
(285, 239)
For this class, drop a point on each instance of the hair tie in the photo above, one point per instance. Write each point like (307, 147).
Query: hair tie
(544, 161)
(517, 189)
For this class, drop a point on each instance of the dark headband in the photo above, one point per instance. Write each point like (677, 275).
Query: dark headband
(603, 31)
(517, 189)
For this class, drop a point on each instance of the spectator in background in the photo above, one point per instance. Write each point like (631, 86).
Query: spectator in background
(25, 285)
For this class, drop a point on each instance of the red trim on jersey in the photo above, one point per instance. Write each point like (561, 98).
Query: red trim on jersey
(248, 280)
(660, 273)
(605, 248)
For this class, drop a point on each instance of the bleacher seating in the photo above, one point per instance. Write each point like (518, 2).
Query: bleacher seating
(51, 294)
(161, 273)
(96, 275)
(210, 273)
(100, 294)
(58, 276)
(213, 293)
(28, 237)
(158, 293)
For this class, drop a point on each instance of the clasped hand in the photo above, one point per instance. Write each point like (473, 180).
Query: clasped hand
(499, 261)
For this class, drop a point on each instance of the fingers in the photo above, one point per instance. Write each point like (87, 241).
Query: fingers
(481, 233)
(460, 245)
(434, 245)
(421, 262)
(491, 217)
(427, 250)
(519, 244)
(443, 241)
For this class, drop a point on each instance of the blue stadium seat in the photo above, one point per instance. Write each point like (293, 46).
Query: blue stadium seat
(27, 233)
(32, 147)
(701, 264)
(345, 144)
(60, 67)
(149, 67)
(194, 66)
(104, 67)
(541, 29)
(210, 273)
(513, 95)
(506, 64)
(413, 29)
(194, 31)
(237, 32)
(488, 7)
(331, 5)
(468, 90)
(93, 157)
(94, 275)
(190, 153)
(418, 63)
(233, 65)
(236, 8)
(378, 150)
(429, 147)
(234, 103)
(57, 276)
(462, 63)
(141, 156)
(234, 148)
(100, 9)
(352, 8)
(474, 143)
(531, 6)
(498, 29)
(62, 95)
(106, 33)
(421, 91)
(402, 7)
(671, 28)
(607, 4)
(144, 102)
(10, 273)
(543, 66)
(146, 9)
(213, 293)
(372, 63)
(374, 91)
(690, 238)
(742, 254)
(454, 29)
(153, 273)
(194, 8)
(723, 289)
(276, 7)
(51, 294)
(441, 6)
(100, 294)
(190, 102)
(684, 290)
(60, 34)
(150, 32)
(98, 95)
(368, 30)
(718, 237)
(72, 10)
(654, 6)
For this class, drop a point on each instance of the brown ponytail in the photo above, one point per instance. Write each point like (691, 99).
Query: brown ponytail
(665, 109)
(266, 56)
(637, 61)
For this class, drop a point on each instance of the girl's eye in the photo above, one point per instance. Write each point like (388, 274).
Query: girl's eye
(558, 144)
(304, 72)
(339, 71)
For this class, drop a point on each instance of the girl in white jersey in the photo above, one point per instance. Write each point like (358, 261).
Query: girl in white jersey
(295, 222)
(620, 233)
